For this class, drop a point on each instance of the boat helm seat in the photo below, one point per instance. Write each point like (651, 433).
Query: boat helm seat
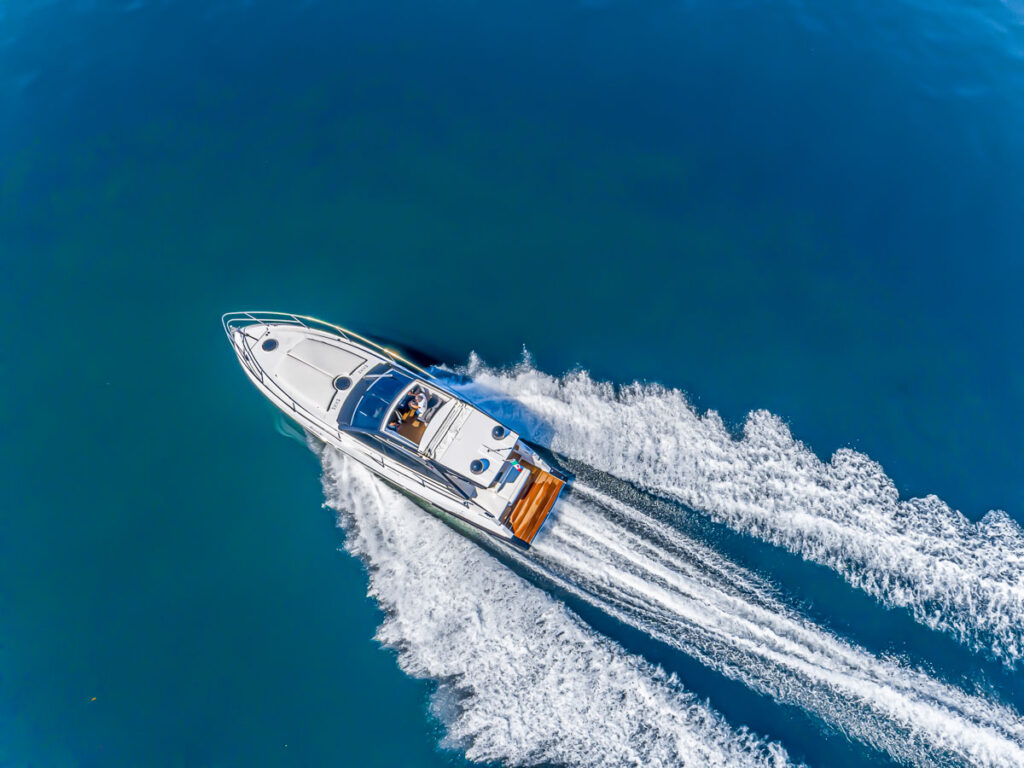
(433, 403)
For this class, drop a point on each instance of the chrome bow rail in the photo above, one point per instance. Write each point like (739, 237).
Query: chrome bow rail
(238, 320)
(244, 344)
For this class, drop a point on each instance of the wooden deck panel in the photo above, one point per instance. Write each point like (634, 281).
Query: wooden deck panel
(533, 506)
(412, 429)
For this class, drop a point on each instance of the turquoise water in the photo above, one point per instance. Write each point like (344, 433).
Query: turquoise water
(816, 212)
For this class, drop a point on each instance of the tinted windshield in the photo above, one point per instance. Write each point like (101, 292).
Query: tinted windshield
(374, 404)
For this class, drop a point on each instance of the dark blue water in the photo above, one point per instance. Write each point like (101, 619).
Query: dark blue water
(817, 211)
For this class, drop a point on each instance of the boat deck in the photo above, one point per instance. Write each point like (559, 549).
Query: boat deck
(412, 429)
(530, 512)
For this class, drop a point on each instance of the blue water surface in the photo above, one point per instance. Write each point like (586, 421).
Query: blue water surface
(816, 209)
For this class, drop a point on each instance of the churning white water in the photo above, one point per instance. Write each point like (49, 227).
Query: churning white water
(960, 577)
(521, 679)
(524, 680)
(682, 593)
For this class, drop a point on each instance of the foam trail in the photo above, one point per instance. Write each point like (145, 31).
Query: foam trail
(959, 577)
(684, 594)
(522, 680)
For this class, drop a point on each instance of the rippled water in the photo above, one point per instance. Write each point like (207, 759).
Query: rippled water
(766, 262)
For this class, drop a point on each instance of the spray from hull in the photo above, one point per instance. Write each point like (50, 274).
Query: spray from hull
(521, 679)
(679, 591)
(963, 578)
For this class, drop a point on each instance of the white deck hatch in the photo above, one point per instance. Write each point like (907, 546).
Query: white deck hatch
(328, 358)
(314, 388)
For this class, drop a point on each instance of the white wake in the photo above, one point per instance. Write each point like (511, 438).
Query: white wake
(521, 679)
(963, 578)
(681, 592)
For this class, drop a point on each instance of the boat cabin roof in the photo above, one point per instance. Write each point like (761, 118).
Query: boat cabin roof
(371, 397)
(375, 400)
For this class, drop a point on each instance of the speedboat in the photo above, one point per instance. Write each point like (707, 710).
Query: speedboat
(398, 420)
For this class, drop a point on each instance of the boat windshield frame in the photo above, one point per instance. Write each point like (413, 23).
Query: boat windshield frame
(369, 405)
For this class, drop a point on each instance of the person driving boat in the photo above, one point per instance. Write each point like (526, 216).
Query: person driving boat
(414, 406)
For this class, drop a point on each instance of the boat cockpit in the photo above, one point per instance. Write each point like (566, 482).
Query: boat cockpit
(389, 400)
(414, 410)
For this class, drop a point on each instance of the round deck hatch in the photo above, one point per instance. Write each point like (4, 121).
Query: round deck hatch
(476, 466)
(269, 345)
(341, 383)
(498, 432)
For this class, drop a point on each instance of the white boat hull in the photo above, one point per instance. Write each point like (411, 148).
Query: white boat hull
(494, 509)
